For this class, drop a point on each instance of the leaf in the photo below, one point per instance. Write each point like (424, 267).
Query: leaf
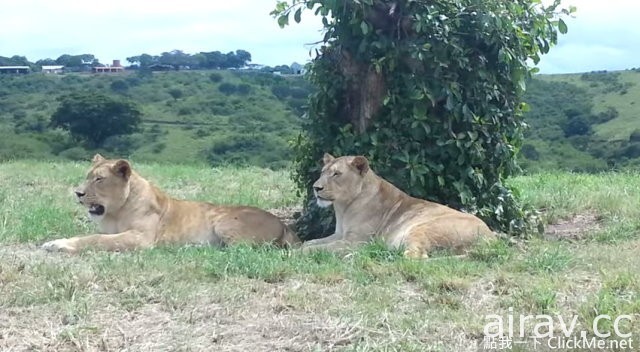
(364, 27)
(562, 27)
(283, 20)
(297, 15)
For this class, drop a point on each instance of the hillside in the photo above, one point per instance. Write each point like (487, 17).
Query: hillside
(579, 122)
(583, 122)
(216, 116)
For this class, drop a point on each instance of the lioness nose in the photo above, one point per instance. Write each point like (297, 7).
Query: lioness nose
(79, 193)
(317, 188)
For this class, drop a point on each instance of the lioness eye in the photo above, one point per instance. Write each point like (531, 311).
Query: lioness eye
(99, 178)
(336, 174)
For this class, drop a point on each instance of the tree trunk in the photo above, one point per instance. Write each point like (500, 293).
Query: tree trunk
(365, 92)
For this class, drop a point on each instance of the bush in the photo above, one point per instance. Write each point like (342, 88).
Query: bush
(158, 148)
(577, 126)
(227, 88)
(76, 154)
(119, 86)
(243, 89)
(123, 144)
(201, 132)
(529, 152)
(34, 123)
(215, 77)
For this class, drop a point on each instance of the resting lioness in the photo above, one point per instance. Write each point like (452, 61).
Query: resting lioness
(368, 207)
(133, 214)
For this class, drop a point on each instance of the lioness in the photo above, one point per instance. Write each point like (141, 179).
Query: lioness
(133, 214)
(367, 207)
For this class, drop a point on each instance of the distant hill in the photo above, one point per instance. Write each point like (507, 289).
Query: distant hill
(580, 122)
(216, 117)
(583, 122)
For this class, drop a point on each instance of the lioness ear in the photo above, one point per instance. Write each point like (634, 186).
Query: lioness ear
(361, 164)
(97, 159)
(327, 158)
(122, 169)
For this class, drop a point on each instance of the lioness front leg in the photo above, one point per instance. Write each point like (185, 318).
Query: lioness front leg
(117, 242)
(333, 243)
(321, 241)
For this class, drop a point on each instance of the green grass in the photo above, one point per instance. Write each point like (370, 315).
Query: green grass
(263, 298)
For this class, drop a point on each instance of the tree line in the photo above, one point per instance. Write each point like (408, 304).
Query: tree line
(175, 59)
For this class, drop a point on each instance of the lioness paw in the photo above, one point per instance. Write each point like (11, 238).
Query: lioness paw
(61, 245)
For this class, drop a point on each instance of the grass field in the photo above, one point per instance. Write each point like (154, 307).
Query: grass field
(265, 299)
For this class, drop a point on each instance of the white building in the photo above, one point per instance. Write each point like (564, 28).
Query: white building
(52, 69)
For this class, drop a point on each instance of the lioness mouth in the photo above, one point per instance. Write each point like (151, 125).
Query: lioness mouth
(96, 209)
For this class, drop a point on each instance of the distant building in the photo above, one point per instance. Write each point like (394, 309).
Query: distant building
(297, 69)
(114, 68)
(14, 69)
(255, 67)
(53, 69)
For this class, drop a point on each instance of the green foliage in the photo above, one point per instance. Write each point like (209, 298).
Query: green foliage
(430, 93)
(215, 77)
(577, 126)
(119, 86)
(202, 60)
(227, 88)
(95, 117)
(175, 93)
(569, 116)
(168, 127)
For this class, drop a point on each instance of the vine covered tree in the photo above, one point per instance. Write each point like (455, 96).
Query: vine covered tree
(95, 117)
(430, 92)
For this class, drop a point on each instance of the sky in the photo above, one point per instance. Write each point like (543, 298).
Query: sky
(604, 35)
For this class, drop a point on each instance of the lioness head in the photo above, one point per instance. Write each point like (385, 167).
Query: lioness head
(106, 187)
(341, 179)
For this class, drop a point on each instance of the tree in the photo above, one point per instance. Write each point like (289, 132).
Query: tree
(577, 126)
(175, 93)
(430, 92)
(144, 60)
(77, 61)
(95, 117)
(46, 62)
(243, 56)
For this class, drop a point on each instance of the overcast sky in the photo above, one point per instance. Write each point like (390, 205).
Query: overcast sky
(604, 34)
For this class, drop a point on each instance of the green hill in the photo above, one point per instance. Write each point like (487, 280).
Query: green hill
(583, 122)
(216, 116)
(579, 122)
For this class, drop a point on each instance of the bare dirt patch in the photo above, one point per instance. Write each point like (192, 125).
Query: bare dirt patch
(576, 227)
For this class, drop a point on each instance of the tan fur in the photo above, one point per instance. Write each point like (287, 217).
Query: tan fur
(139, 215)
(368, 207)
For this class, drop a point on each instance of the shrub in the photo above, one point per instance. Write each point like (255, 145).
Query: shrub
(227, 88)
(215, 77)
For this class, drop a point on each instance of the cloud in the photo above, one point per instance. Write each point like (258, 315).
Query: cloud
(603, 35)
(120, 28)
